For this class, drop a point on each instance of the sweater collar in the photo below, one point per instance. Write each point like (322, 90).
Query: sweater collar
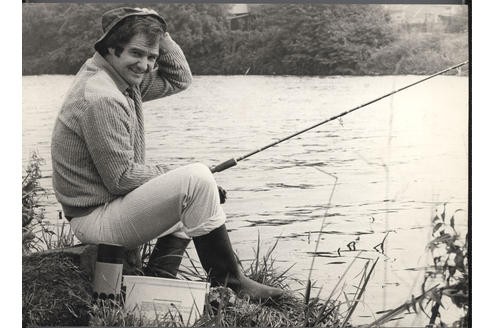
(103, 64)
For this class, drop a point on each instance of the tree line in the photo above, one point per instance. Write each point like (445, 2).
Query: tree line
(289, 39)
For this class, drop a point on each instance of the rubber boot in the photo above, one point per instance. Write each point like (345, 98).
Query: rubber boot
(166, 257)
(218, 259)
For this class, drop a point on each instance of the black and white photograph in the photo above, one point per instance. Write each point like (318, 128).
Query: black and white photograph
(246, 164)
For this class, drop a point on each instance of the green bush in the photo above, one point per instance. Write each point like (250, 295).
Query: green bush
(421, 53)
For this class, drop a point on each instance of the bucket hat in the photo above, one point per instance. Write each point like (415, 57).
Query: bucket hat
(113, 17)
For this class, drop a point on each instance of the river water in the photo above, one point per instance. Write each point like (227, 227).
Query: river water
(390, 166)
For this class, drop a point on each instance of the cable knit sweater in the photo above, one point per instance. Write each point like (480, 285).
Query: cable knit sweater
(98, 147)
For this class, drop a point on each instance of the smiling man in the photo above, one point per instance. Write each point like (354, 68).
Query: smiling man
(108, 192)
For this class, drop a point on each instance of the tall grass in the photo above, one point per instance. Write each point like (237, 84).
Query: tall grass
(263, 269)
(291, 310)
(32, 212)
(37, 233)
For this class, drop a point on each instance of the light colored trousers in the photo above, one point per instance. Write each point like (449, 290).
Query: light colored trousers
(183, 202)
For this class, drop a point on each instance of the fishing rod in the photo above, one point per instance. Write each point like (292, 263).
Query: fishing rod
(233, 161)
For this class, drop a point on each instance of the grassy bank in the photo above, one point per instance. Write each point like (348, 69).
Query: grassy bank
(57, 292)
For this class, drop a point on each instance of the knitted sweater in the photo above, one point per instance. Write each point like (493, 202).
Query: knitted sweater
(98, 147)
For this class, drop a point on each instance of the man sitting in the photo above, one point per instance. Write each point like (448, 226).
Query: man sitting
(107, 191)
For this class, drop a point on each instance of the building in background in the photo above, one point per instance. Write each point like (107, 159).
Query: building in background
(240, 17)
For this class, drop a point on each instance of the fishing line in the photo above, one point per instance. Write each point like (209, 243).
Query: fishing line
(233, 161)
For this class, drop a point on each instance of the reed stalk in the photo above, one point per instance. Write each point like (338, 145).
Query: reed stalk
(398, 310)
(361, 292)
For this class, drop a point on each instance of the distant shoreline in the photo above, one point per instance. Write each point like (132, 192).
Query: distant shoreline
(289, 40)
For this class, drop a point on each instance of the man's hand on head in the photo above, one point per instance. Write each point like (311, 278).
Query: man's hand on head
(166, 43)
(223, 194)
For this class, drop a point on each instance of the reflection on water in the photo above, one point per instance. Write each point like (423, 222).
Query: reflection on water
(391, 164)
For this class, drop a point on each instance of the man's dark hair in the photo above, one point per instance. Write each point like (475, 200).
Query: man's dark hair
(129, 27)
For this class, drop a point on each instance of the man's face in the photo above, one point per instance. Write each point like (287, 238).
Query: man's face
(137, 58)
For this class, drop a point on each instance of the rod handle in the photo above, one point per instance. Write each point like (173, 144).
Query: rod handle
(223, 166)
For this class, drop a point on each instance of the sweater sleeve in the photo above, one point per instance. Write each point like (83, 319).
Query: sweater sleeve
(173, 74)
(107, 133)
